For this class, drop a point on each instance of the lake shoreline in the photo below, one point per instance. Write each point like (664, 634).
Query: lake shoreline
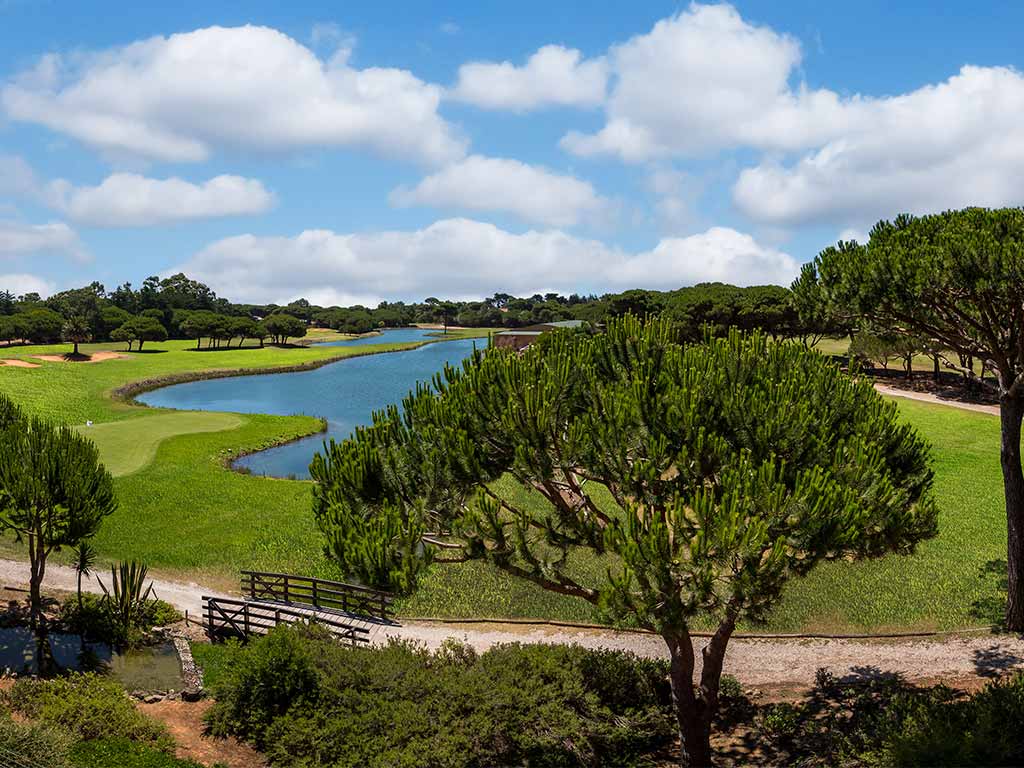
(340, 401)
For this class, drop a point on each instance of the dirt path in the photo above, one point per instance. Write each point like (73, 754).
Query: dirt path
(927, 397)
(183, 596)
(753, 662)
(185, 722)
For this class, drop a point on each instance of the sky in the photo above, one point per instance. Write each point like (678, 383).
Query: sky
(359, 152)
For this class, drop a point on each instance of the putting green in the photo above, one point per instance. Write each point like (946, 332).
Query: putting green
(129, 445)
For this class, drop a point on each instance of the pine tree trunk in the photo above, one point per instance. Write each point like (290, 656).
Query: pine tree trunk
(694, 727)
(1011, 411)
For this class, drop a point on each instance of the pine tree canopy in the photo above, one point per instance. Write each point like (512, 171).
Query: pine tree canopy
(708, 474)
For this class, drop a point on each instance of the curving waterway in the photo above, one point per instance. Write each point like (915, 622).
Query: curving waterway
(345, 393)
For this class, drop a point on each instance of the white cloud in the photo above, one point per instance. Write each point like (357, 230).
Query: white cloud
(530, 192)
(130, 200)
(554, 75)
(179, 98)
(467, 259)
(720, 254)
(20, 239)
(860, 235)
(20, 284)
(950, 145)
(450, 28)
(703, 80)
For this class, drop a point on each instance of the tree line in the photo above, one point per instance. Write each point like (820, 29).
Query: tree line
(178, 307)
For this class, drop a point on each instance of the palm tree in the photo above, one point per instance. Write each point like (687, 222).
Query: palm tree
(76, 330)
(85, 558)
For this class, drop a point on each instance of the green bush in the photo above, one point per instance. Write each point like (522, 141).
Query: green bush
(33, 744)
(94, 620)
(87, 706)
(121, 753)
(306, 700)
(267, 679)
(984, 730)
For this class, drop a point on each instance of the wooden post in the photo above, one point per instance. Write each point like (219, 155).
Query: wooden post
(287, 596)
(316, 597)
(245, 618)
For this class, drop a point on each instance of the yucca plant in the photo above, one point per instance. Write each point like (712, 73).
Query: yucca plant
(128, 597)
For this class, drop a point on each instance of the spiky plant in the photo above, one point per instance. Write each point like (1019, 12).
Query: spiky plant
(128, 596)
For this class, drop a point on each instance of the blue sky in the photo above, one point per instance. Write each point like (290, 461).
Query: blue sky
(359, 152)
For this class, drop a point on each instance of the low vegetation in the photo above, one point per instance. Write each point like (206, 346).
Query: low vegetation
(122, 753)
(86, 706)
(303, 699)
(93, 618)
(80, 721)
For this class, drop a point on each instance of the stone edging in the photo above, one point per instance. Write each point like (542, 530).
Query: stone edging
(190, 672)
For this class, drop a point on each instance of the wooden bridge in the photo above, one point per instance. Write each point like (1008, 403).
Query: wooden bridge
(351, 613)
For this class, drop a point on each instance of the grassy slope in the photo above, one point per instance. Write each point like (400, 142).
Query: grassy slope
(185, 515)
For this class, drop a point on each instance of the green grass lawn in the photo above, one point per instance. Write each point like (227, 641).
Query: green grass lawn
(130, 444)
(187, 516)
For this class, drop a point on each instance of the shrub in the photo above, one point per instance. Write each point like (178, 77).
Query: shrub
(269, 677)
(305, 699)
(32, 744)
(95, 620)
(87, 706)
(121, 753)
(987, 729)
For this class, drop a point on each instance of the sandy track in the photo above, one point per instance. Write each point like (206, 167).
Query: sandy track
(926, 397)
(754, 662)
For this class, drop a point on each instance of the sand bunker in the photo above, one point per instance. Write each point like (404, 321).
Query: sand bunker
(19, 364)
(96, 357)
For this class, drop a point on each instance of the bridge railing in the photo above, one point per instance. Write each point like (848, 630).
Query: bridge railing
(225, 617)
(321, 594)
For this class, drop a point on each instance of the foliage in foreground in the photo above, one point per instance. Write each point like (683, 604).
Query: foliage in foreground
(33, 744)
(122, 753)
(305, 700)
(88, 707)
(732, 466)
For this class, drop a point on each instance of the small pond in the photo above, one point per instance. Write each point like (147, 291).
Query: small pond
(345, 393)
(153, 668)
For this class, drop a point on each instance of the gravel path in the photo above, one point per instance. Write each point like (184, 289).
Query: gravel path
(927, 397)
(753, 662)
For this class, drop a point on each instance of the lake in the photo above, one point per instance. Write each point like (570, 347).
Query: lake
(345, 393)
